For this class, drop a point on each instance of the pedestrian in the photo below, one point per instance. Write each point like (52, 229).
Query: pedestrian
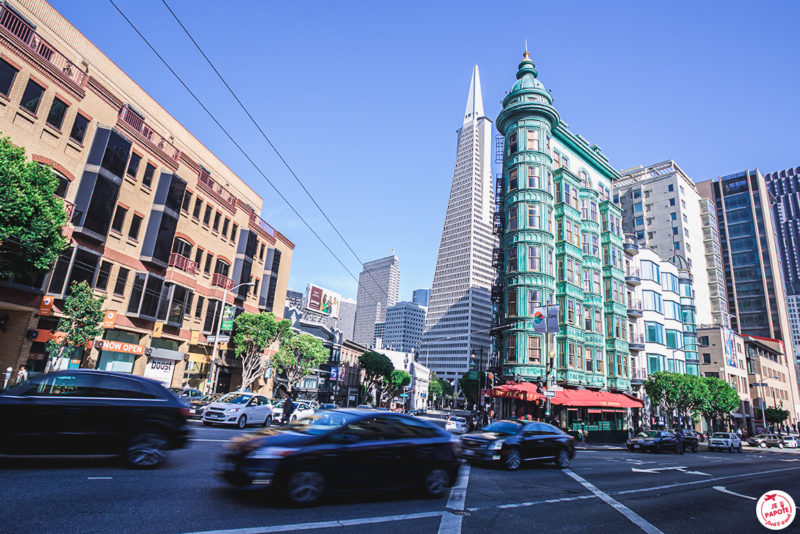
(679, 441)
(739, 433)
(288, 407)
(22, 374)
(491, 415)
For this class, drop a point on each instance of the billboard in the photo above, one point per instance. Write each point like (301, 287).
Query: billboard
(322, 300)
(729, 347)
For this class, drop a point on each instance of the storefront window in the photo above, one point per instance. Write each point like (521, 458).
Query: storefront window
(118, 361)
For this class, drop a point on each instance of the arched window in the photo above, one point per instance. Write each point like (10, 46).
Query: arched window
(222, 267)
(182, 247)
(586, 182)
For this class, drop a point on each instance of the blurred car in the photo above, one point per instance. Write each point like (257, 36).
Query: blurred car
(790, 441)
(240, 409)
(653, 440)
(689, 439)
(300, 410)
(197, 406)
(511, 442)
(724, 441)
(456, 425)
(82, 411)
(344, 450)
(364, 407)
(329, 406)
(187, 393)
(766, 440)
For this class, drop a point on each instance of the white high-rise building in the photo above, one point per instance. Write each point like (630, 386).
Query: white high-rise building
(459, 314)
(378, 288)
(405, 322)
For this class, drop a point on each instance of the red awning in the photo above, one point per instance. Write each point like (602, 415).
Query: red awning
(522, 391)
(595, 399)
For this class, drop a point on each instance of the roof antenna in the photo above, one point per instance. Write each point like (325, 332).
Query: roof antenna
(526, 44)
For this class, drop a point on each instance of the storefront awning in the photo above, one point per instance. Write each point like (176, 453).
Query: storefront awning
(523, 391)
(595, 399)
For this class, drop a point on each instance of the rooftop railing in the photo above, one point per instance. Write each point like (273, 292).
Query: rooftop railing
(220, 193)
(260, 224)
(136, 121)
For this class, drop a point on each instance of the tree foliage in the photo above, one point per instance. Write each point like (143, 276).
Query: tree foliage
(31, 216)
(377, 369)
(82, 320)
(776, 415)
(253, 333)
(469, 386)
(398, 379)
(298, 356)
(721, 399)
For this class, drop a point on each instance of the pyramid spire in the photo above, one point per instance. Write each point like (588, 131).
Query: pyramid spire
(475, 98)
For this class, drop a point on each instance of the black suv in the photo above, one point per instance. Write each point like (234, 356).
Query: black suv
(510, 442)
(88, 412)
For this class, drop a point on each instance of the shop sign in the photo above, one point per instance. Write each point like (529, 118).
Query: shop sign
(334, 374)
(195, 337)
(550, 394)
(46, 306)
(160, 370)
(158, 329)
(119, 346)
(109, 319)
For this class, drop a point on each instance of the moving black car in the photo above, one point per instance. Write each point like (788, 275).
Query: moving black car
(662, 440)
(88, 412)
(511, 442)
(197, 406)
(344, 450)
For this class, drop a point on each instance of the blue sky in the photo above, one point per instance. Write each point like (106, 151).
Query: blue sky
(364, 98)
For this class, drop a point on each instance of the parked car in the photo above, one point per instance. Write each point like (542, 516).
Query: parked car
(511, 442)
(197, 406)
(765, 440)
(82, 411)
(790, 441)
(689, 439)
(456, 425)
(364, 407)
(300, 410)
(240, 409)
(341, 451)
(653, 440)
(725, 441)
(329, 406)
(187, 393)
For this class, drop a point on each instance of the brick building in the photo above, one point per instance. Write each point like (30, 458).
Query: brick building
(159, 225)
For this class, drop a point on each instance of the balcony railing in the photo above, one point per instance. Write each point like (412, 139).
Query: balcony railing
(258, 223)
(183, 263)
(135, 121)
(222, 281)
(636, 339)
(69, 207)
(220, 193)
(25, 33)
(634, 273)
(638, 374)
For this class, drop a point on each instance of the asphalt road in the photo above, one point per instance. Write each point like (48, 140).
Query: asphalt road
(602, 491)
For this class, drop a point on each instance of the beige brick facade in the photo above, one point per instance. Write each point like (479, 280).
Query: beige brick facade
(218, 234)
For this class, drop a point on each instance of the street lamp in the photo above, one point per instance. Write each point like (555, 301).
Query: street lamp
(216, 335)
(480, 370)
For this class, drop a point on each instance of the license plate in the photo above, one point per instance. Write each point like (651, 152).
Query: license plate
(636, 446)
(192, 410)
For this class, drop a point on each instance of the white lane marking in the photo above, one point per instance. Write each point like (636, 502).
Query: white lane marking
(322, 524)
(214, 440)
(714, 479)
(547, 501)
(99, 478)
(635, 518)
(681, 468)
(724, 490)
(451, 522)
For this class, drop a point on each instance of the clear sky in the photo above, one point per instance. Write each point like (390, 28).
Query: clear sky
(364, 98)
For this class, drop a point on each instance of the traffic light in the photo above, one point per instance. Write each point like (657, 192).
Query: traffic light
(490, 380)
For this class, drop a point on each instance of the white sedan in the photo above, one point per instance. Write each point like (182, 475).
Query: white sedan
(456, 425)
(300, 410)
(240, 409)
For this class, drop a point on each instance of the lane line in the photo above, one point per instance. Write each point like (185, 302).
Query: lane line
(323, 524)
(214, 440)
(635, 518)
(99, 478)
(451, 522)
(725, 490)
(705, 480)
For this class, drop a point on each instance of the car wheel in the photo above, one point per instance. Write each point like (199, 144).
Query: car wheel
(513, 460)
(293, 419)
(562, 459)
(436, 483)
(146, 450)
(241, 422)
(268, 421)
(762, 445)
(304, 488)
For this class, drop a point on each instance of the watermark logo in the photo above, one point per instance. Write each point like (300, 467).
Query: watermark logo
(775, 509)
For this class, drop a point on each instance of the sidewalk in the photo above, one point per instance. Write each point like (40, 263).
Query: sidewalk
(601, 447)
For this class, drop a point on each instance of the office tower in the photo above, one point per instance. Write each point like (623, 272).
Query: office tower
(405, 322)
(378, 288)
(459, 314)
(421, 297)
(347, 317)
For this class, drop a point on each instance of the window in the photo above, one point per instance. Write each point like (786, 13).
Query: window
(198, 257)
(234, 231)
(187, 199)
(198, 311)
(512, 303)
(207, 267)
(119, 219)
(533, 177)
(147, 180)
(636, 193)
(225, 224)
(133, 165)
(674, 339)
(652, 301)
(676, 245)
(533, 300)
(512, 180)
(198, 205)
(207, 215)
(673, 216)
(32, 97)
(534, 221)
(534, 349)
(512, 218)
(651, 271)
(670, 188)
(79, 128)
(217, 218)
(58, 109)
(136, 223)
(534, 259)
(512, 259)
(512, 143)
(533, 140)
(672, 310)
(637, 208)
(103, 275)
(672, 202)
(674, 230)
(654, 332)
(511, 348)
(7, 75)
(638, 221)
(122, 280)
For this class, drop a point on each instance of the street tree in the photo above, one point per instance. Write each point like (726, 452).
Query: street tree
(721, 400)
(694, 396)
(469, 386)
(377, 369)
(82, 322)
(665, 390)
(398, 380)
(253, 334)
(435, 389)
(298, 357)
(776, 415)
(31, 215)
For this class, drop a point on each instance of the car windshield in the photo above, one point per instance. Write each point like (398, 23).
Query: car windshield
(458, 419)
(503, 427)
(722, 435)
(324, 421)
(761, 436)
(235, 398)
(649, 434)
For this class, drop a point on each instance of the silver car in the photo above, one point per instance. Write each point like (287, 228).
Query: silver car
(239, 409)
(724, 441)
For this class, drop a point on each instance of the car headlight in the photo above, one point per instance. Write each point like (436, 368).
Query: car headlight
(496, 444)
(232, 410)
(648, 442)
(271, 453)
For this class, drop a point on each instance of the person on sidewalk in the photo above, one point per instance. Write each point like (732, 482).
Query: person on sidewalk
(288, 408)
(679, 441)
(22, 374)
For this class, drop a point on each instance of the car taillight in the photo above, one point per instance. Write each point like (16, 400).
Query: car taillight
(185, 412)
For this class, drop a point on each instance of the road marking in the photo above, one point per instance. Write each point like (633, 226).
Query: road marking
(99, 478)
(679, 484)
(323, 524)
(681, 468)
(451, 522)
(214, 440)
(723, 490)
(635, 518)
(534, 503)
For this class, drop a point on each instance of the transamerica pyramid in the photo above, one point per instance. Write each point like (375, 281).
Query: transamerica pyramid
(460, 310)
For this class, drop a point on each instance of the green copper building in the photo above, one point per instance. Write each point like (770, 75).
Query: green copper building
(560, 243)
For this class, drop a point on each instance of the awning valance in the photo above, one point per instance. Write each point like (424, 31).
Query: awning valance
(522, 391)
(595, 399)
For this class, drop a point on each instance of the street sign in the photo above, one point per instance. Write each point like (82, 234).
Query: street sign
(227, 317)
(556, 388)
(550, 394)
(472, 375)
(404, 394)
